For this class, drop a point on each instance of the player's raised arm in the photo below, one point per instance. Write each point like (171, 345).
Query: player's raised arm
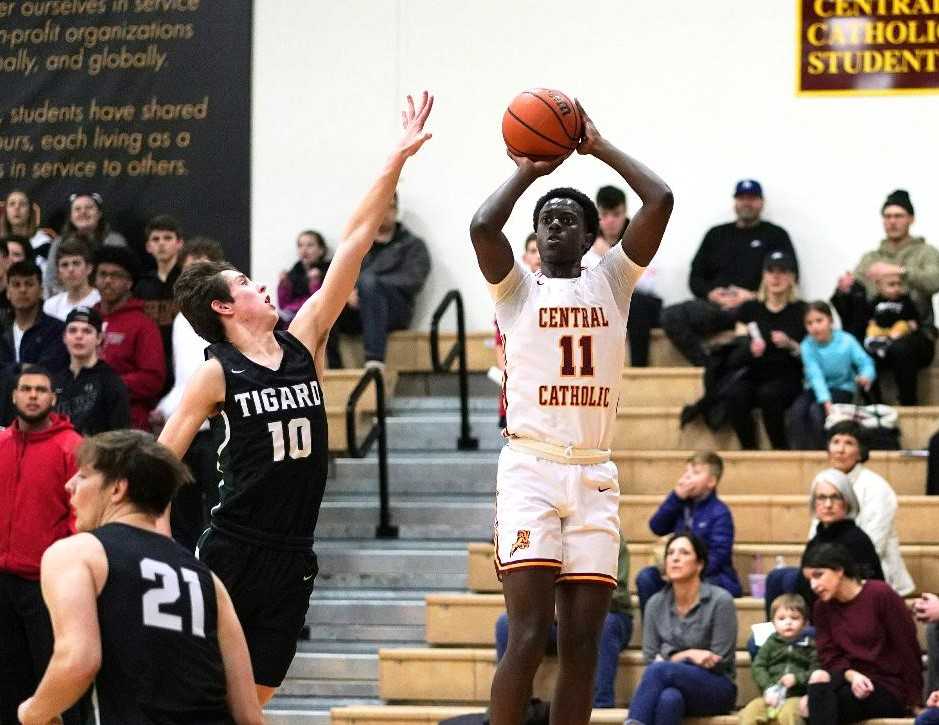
(71, 595)
(239, 679)
(201, 399)
(317, 315)
(644, 233)
(493, 251)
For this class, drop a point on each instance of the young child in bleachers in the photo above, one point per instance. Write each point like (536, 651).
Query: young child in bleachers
(782, 667)
(893, 315)
(835, 367)
(693, 507)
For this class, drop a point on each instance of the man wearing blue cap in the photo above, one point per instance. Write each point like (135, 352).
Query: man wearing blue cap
(725, 273)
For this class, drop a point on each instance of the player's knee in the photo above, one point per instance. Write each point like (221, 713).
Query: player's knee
(818, 677)
(529, 638)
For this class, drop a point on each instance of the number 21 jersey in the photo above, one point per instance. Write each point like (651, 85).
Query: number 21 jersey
(273, 447)
(565, 347)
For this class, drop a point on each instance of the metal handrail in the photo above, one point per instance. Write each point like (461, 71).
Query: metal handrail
(385, 529)
(466, 442)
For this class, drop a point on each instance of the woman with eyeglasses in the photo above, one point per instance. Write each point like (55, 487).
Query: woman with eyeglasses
(833, 503)
(87, 222)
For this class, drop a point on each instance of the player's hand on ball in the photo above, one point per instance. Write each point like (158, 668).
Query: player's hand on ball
(413, 120)
(591, 137)
(540, 167)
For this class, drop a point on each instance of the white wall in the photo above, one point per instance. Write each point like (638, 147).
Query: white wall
(701, 92)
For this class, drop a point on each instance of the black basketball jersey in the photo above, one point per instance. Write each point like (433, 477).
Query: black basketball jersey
(273, 447)
(161, 661)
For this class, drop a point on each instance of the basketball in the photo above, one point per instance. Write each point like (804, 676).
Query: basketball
(541, 124)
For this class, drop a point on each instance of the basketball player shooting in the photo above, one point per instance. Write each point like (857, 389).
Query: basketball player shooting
(269, 418)
(132, 610)
(557, 501)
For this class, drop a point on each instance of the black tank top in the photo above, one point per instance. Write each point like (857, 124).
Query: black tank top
(161, 662)
(273, 447)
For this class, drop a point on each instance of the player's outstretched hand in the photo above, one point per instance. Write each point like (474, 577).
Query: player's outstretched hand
(413, 120)
(592, 137)
(537, 168)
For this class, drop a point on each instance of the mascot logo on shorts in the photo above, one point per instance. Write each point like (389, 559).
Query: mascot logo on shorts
(521, 541)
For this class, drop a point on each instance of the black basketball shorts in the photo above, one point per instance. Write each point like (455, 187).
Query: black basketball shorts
(270, 590)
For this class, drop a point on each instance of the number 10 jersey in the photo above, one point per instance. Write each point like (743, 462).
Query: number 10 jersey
(565, 347)
(272, 447)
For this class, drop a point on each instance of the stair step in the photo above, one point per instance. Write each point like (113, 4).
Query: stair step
(428, 566)
(333, 666)
(293, 710)
(415, 519)
(440, 431)
(464, 473)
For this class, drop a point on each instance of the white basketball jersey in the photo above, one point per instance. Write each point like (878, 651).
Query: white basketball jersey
(565, 347)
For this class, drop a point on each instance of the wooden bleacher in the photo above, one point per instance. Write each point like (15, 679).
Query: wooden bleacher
(766, 490)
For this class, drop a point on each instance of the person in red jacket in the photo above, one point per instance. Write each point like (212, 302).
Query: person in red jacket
(132, 342)
(37, 458)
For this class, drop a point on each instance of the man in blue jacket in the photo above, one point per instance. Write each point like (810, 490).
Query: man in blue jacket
(694, 507)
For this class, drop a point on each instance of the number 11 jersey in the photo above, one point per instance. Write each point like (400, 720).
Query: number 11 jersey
(565, 347)
(273, 447)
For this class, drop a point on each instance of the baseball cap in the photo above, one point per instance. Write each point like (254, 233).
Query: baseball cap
(748, 186)
(84, 314)
(779, 260)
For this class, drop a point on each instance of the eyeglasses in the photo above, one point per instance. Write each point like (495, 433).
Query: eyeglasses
(832, 498)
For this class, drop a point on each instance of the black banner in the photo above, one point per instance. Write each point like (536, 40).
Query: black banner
(146, 102)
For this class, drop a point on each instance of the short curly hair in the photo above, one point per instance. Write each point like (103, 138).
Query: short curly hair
(591, 215)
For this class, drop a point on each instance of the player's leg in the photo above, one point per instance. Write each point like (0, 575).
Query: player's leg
(582, 609)
(529, 600)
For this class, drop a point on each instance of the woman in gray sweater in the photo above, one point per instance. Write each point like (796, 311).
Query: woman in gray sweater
(689, 635)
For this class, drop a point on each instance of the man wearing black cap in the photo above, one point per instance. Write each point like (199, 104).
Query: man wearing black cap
(725, 273)
(917, 263)
(89, 392)
(132, 343)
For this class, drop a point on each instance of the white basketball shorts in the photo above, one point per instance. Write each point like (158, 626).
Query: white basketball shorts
(557, 515)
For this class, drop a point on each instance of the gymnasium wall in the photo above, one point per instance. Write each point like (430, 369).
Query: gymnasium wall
(704, 92)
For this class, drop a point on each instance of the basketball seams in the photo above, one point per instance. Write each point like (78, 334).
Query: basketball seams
(538, 133)
(556, 114)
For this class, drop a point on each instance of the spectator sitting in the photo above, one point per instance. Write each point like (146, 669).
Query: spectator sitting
(155, 288)
(870, 658)
(305, 277)
(835, 365)
(393, 272)
(31, 336)
(132, 344)
(917, 263)
(926, 610)
(774, 322)
(89, 392)
(20, 217)
(74, 264)
(531, 257)
(782, 667)
(617, 629)
(189, 515)
(36, 459)
(693, 507)
(689, 634)
(893, 315)
(645, 307)
(86, 221)
(834, 505)
(18, 249)
(877, 501)
(725, 273)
